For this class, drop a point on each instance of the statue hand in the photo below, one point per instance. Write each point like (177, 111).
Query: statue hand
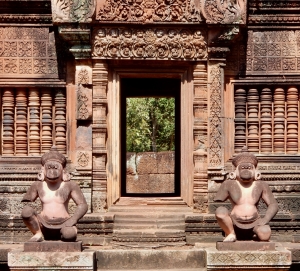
(70, 222)
(262, 222)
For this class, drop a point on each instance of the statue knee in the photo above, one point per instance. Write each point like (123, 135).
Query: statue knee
(263, 232)
(27, 212)
(68, 234)
(222, 212)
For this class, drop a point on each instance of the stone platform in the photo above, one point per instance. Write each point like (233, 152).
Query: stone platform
(279, 259)
(19, 260)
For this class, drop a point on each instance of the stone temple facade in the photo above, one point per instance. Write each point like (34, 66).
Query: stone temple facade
(235, 66)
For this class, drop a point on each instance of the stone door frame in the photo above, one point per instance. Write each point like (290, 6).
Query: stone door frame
(114, 126)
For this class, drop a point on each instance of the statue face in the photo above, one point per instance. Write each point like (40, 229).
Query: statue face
(246, 172)
(53, 171)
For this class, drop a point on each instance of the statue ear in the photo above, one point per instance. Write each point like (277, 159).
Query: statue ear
(66, 176)
(41, 175)
(257, 175)
(232, 175)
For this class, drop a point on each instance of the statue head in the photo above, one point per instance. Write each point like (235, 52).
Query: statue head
(245, 164)
(53, 166)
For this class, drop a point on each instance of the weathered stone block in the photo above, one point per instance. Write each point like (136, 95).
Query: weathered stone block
(31, 261)
(150, 183)
(146, 162)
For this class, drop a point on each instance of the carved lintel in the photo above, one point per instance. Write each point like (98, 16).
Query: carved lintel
(149, 43)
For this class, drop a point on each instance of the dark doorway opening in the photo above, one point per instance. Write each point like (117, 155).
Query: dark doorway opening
(150, 162)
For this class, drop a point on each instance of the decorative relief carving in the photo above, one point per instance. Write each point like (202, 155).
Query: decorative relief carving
(273, 52)
(224, 12)
(215, 144)
(83, 159)
(83, 75)
(72, 11)
(84, 103)
(149, 11)
(158, 43)
(23, 51)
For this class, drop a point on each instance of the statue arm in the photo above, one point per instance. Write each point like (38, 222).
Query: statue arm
(270, 200)
(82, 207)
(32, 193)
(222, 193)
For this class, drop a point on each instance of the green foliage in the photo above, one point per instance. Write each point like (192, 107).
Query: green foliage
(150, 124)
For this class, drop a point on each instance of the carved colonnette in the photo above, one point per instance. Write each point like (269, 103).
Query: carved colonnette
(100, 83)
(200, 138)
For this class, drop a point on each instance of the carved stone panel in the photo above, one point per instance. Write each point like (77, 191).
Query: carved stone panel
(84, 103)
(72, 11)
(273, 52)
(144, 43)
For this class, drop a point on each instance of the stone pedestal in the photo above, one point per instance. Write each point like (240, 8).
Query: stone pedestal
(53, 246)
(279, 259)
(49, 261)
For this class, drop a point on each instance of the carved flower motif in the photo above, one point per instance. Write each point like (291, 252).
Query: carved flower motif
(150, 51)
(150, 36)
(25, 48)
(25, 66)
(10, 48)
(10, 66)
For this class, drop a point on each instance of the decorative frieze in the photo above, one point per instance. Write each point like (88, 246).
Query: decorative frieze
(273, 52)
(155, 43)
(27, 52)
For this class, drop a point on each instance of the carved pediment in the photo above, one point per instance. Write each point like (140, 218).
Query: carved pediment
(151, 11)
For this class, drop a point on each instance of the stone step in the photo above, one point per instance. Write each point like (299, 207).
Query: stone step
(148, 260)
(138, 226)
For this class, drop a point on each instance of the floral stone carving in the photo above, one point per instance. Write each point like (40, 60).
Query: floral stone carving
(158, 43)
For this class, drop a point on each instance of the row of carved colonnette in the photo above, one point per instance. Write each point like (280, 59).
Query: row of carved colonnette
(30, 122)
(267, 120)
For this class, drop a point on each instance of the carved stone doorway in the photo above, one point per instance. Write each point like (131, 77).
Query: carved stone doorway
(150, 153)
(183, 191)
